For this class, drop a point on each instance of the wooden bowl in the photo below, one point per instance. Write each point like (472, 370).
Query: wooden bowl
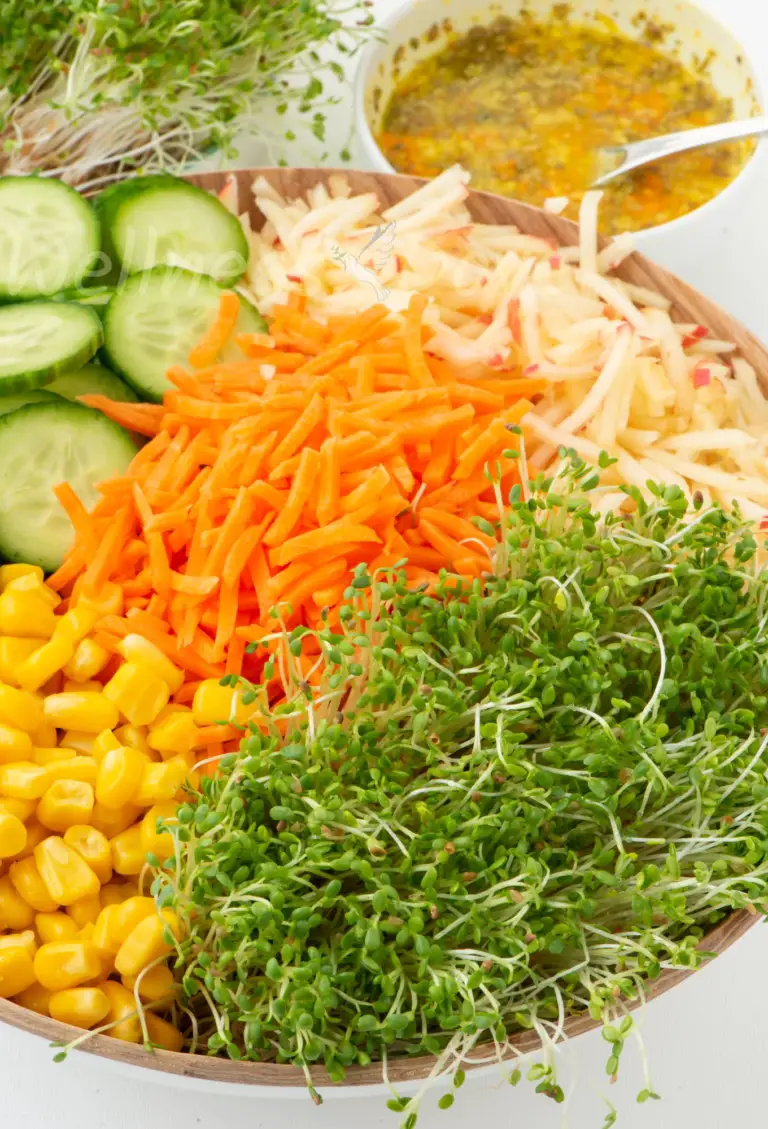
(688, 306)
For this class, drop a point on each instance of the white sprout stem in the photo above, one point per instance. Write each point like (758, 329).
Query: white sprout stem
(653, 700)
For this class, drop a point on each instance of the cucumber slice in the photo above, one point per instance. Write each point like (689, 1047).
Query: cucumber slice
(49, 237)
(96, 296)
(39, 340)
(154, 220)
(89, 379)
(157, 317)
(21, 399)
(40, 446)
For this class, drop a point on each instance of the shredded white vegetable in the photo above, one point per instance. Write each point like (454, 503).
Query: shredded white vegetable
(671, 402)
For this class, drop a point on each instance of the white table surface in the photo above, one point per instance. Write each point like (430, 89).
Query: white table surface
(706, 1040)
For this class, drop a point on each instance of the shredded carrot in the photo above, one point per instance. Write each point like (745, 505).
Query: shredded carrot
(418, 369)
(235, 654)
(329, 597)
(303, 590)
(298, 495)
(211, 734)
(255, 494)
(77, 514)
(206, 352)
(144, 418)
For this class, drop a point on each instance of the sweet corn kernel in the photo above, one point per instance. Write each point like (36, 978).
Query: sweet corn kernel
(80, 1007)
(20, 709)
(23, 780)
(65, 873)
(111, 821)
(26, 613)
(86, 911)
(161, 781)
(155, 984)
(138, 692)
(54, 927)
(188, 758)
(35, 584)
(128, 856)
(80, 768)
(80, 742)
(89, 659)
(13, 835)
(137, 649)
(22, 809)
(44, 663)
(120, 776)
(15, 912)
(161, 844)
(87, 712)
(133, 911)
(15, 745)
(107, 959)
(34, 998)
(94, 847)
(11, 572)
(46, 736)
(46, 757)
(163, 1034)
(146, 943)
(25, 940)
(102, 744)
(29, 885)
(17, 970)
(67, 964)
(173, 734)
(135, 738)
(13, 652)
(110, 601)
(170, 710)
(93, 686)
(214, 703)
(65, 804)
(105, 931)
(115, 893)
(35, 834)
(70, 686)
(122, 1013)
(75, 624)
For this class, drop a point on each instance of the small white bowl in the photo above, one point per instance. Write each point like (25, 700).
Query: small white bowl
(697, 244)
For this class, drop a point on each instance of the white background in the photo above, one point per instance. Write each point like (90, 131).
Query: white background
(707, 1040)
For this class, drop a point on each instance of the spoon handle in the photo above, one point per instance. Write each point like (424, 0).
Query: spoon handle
(639, 153)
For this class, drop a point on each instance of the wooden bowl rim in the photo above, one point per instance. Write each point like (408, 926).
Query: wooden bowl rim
(688, 306)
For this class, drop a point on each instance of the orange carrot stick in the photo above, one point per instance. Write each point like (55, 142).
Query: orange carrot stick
(338, 532)
(365, 382)
(319, 578)
(297, 498)
(241, 552)
(216, 337)
(260, 575)
(418, 369)
(304, 425)
(144, 418)
(78, 515)
(371, 490)
(158, 557)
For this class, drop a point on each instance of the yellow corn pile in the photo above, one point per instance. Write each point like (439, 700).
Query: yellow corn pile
(92, 755)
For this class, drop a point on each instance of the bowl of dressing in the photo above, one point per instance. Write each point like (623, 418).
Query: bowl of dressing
(523, 94)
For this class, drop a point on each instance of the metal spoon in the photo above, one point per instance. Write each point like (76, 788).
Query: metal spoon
(638, 153)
